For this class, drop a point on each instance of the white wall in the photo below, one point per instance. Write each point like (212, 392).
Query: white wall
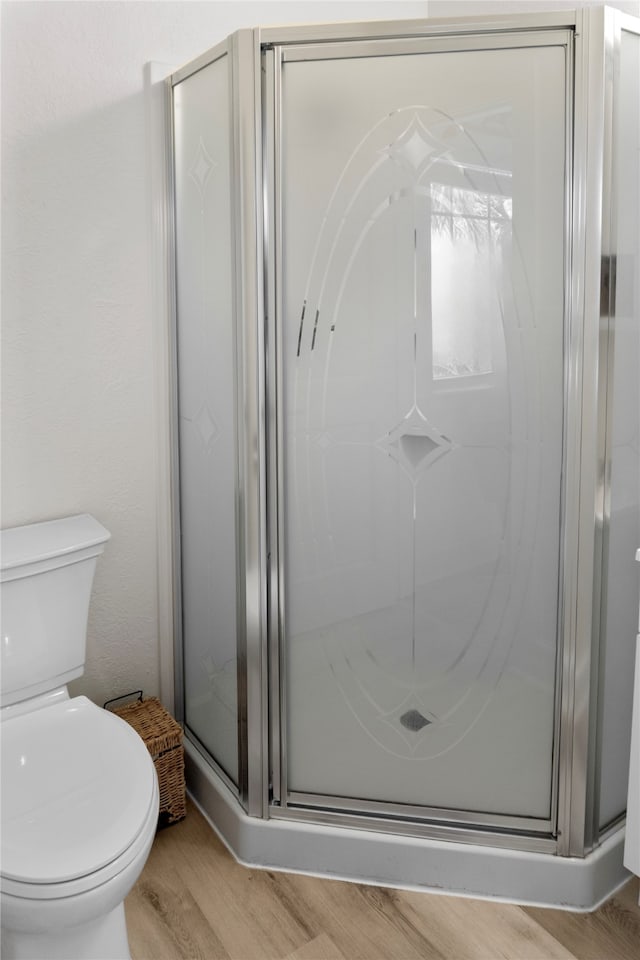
(78, 429)
(466, 8)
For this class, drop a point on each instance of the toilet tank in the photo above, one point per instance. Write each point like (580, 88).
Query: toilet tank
(46, 575)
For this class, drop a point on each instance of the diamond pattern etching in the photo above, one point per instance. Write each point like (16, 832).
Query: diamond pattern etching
(415, 149)
(206, 426)
(414, 443)
(201, 167)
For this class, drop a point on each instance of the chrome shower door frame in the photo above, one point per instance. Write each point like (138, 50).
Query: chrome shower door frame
(428, 36)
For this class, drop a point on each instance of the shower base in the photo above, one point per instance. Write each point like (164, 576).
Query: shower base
(390, 860)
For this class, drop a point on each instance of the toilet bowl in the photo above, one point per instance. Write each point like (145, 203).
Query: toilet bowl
(79, 789)
(79, 813)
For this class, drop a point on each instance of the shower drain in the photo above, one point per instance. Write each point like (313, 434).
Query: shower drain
(413, 720)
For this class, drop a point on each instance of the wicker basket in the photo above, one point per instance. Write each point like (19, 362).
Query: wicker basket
(163, 738)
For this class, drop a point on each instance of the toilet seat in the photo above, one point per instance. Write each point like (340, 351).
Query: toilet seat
(70, 889)
(79, 799)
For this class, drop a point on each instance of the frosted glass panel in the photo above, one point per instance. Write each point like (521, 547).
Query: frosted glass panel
(423, 391)
(206, 401)
(621, 593)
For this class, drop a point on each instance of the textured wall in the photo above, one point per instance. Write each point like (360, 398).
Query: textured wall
(78, 428)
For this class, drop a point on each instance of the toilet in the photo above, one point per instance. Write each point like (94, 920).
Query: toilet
(79, 789)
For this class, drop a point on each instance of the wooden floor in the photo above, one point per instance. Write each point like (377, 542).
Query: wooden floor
(194, 901)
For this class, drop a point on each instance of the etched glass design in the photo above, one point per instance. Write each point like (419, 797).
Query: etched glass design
(422, 377)
(206, 404)
(621, 586)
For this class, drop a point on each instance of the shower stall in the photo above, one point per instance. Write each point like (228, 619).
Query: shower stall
(407, 481)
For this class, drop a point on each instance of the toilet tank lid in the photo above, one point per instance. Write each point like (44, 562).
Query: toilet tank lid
(52, 538)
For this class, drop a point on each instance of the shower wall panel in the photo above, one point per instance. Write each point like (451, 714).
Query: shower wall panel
(623, 511)
(423, 299)
(206, 409)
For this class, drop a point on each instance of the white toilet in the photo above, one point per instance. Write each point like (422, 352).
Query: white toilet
(79, 789)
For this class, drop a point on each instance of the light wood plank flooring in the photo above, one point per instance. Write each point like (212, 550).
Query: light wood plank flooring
(194, 901)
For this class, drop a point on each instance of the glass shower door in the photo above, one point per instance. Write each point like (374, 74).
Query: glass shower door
(422, 388)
